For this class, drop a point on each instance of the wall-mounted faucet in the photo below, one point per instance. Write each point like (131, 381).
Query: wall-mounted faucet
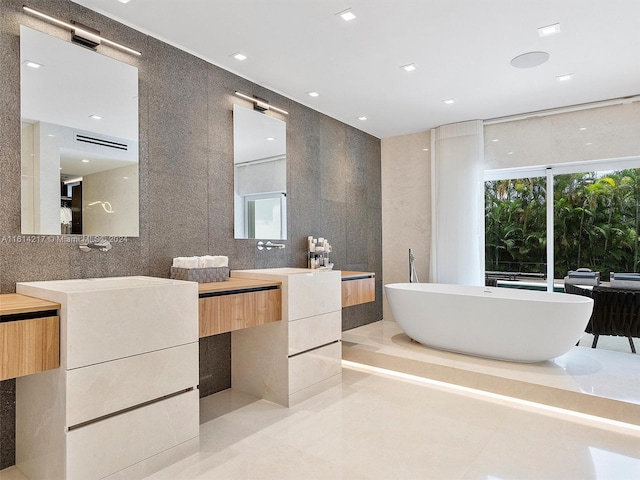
(100, 245)
(269, 245)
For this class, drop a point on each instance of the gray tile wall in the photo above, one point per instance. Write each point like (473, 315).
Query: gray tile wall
(186, 183)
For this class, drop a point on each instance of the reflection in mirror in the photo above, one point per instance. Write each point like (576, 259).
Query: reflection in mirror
(260, 175)
(79, 114)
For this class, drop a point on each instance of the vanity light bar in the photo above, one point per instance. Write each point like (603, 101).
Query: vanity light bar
(77, 29)
(262, 105)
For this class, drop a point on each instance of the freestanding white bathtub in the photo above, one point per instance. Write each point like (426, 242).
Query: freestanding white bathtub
(499, 323)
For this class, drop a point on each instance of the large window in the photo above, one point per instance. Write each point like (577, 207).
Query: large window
(515, 226)
(594, 220)
(596, 223)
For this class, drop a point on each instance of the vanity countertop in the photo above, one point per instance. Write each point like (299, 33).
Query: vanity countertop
(348, 275)
(235, 284)
(16, 303)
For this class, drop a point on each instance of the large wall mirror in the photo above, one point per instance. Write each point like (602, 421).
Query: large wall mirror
(79, 114)
(260, 175)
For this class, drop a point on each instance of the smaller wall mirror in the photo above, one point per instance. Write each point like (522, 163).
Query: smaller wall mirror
(79, 114)
(260, 175)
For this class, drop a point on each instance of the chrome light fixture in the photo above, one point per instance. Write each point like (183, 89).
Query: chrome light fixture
(261, 104)
(81, 34)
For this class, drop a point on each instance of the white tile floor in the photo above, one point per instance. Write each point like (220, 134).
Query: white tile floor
(608, 342)
(376, 427)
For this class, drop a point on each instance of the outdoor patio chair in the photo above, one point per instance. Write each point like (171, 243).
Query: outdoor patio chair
(582, 276)
(615, 312)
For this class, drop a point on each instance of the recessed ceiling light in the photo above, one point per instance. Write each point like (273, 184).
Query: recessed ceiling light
(564, 78)
(362, 118)
(449, 101)
(95, 117)
(410, 67)
(529, 59)
(32, 64)
(495, 140)
(271, 139)
(125, 178)
(124, 1)
(425, 149)
(347, 15)
(84, 160)
(582, 128)
(509, 153)
(313, 94)
(50, 135)
(588, 143)
(239, 56)
(549, 30)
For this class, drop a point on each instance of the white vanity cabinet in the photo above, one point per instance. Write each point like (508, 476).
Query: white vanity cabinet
(124, 401)
(289, 361)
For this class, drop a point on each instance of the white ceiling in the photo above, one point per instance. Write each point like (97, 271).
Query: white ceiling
(461, 49)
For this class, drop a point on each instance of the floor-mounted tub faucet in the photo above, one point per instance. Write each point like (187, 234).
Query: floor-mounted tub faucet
(413, 276)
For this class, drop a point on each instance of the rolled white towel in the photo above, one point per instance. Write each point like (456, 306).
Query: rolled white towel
(220, 261)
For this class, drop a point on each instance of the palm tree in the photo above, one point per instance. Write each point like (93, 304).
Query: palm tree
(597, 220)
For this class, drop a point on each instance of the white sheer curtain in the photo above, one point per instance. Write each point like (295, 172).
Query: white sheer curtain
(457, 199)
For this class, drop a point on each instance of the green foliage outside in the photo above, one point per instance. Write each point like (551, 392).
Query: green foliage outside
(596, 220)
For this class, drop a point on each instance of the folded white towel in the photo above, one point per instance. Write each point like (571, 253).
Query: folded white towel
(178, 262)
(193, 262)
(220, 261)
(208, 261)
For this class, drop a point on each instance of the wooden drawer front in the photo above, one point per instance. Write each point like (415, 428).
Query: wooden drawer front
(226, 313)
(312, 332)
(29, 346)
(355, 292)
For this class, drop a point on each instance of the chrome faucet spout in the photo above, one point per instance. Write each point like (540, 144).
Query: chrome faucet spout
(269, 245)
(100, 245)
